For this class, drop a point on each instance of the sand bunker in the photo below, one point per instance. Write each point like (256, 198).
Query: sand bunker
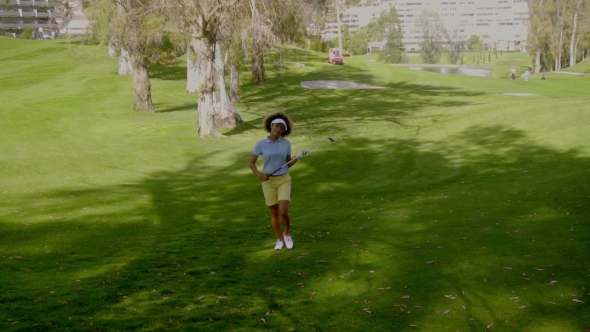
(518, 94)
(337, 85)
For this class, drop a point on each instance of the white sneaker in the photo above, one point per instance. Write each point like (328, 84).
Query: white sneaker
(288, 241)
(279, 245)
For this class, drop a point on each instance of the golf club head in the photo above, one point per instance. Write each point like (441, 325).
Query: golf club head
(322, 141)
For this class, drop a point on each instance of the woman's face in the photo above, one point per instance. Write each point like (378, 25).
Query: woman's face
(277, 129)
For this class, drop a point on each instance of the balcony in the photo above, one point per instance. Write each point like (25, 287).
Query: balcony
(33, 3)
(9, 14)
(21, 13)
(49, 14)
(28, 25)
(40, 14)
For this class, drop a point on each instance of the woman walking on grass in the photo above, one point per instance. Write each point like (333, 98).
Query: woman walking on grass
(276, 151)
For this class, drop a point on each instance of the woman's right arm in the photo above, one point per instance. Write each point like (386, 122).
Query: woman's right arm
(252, 164)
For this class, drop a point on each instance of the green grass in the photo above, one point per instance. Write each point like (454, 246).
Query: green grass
(443, 203)
(582, 67)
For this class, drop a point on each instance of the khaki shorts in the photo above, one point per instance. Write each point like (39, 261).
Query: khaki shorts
(277, 188)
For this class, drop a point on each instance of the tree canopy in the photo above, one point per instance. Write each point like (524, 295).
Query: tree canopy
(557, 30)
(472, 42)
(433, 31)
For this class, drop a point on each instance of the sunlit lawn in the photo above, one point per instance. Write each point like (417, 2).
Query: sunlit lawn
(443, 205)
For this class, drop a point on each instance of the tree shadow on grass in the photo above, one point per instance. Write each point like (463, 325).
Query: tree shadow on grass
(325, 108)
(167, 73)
(37, 54)
(421, 230)
(77, 42)
(185, 107)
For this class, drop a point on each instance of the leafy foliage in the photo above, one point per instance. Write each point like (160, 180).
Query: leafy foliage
(28, 33)
(387, 27)
(317, 43)
(556, 31)
(472, 41)
(352, 3)
(433, 32)
(100, 14)
(168, 52)
(356, 41)
(456, 44)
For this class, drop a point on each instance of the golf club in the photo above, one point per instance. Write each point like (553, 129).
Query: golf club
(313, 147)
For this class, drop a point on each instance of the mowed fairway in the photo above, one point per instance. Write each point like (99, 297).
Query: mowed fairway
(443, 205)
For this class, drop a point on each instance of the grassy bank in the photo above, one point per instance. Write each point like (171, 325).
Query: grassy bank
(444, 204)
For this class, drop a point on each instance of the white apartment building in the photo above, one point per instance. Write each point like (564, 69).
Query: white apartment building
(498, 20)
(355, 18)
(18, 15)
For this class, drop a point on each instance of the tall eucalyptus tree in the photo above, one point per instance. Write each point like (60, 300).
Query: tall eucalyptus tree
(213, 23)
(203, 21)
(138, 25)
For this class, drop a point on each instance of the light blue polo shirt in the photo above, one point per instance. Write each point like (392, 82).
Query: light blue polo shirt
(274, 154)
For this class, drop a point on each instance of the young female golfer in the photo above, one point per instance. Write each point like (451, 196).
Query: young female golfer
(276, 151)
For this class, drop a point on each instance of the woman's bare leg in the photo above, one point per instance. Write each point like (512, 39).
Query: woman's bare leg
(285, 218)
(274, 221)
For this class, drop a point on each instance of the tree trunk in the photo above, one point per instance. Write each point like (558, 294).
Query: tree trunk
(538, 61)
(125, 66)
(573, 41)
(539, 39)
(214, 106)
(205, 54)
(258, 68)
(225, 113)
(559, 51)
(142, 85)
(192, 74)
(112, 50)
(234, 83)
(561, 28)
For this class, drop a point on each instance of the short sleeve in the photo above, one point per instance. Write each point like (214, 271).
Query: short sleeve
(257, 149)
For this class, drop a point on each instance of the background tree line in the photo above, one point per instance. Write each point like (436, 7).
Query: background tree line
(386, 27)
(558, 33)
(217, 36)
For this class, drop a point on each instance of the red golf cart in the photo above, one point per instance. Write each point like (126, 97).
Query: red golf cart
(334, 57)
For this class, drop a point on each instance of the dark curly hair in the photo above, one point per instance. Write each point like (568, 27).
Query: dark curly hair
(278, 115)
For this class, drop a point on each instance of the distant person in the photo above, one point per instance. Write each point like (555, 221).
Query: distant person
(526, 75)
(543, 77)
(513, 73)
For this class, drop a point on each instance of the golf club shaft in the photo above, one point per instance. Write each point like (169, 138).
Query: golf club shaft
(318, 143)
(287, 163)
(313, 147)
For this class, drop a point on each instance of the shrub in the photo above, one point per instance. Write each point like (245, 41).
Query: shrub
(319, 45)
(28, 33)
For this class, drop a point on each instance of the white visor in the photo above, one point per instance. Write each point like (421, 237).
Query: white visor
(279, 121)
